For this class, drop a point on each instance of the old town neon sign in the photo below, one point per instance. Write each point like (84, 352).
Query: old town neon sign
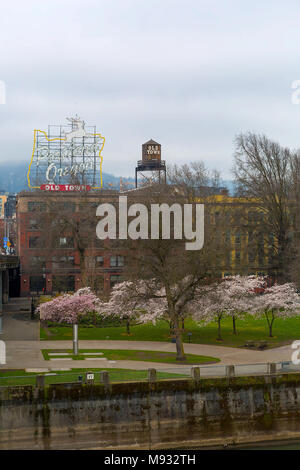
(77, 146)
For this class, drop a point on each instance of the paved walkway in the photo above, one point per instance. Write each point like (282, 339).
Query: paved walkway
(23, 348)
(16, 321)
(27, 354)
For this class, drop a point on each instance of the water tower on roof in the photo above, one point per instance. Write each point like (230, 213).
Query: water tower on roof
(151, 168)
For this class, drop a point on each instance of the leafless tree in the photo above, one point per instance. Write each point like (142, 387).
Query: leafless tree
(263, 171)
(66, 225)
(194, 180)
(167, 264)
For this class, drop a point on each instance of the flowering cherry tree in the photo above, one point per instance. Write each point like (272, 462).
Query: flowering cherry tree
(239, 293)
(232, 296)
(207, 305)
(280, 300)
(128, 302)
(147, 301)
(68, 308)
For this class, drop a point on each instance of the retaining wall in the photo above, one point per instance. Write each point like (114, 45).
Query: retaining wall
(163, 415)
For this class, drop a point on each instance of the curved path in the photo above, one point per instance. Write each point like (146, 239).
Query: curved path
(27, 354)
(23, 347)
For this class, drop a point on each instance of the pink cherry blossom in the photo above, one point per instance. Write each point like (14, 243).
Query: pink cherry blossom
(68, 308)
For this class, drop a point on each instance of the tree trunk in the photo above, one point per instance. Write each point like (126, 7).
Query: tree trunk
(270, 323)
(127, 326)
(179, 344)
(234, 325)
(175, 318)
(270, 330)
(182, 324)
(219, 338)
(271, 326)
(82, 261)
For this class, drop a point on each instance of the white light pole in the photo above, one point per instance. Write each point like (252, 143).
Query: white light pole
(75, 339)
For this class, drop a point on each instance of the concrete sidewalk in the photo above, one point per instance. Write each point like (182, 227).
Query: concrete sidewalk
(16, 322)
(23, 347)
(27, 354)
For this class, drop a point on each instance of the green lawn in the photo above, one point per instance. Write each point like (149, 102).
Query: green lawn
(284, 331)
(133, 355)
(20, 377)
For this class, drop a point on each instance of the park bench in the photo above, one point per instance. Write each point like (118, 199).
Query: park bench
(261, 345)
(256, 344)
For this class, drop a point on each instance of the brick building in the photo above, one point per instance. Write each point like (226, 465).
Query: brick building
(50, 269)
(239, 222)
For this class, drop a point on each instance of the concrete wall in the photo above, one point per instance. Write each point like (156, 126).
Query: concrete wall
(4, 288)
(168, 414)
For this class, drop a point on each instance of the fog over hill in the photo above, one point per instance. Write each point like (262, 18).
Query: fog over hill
(13, 178)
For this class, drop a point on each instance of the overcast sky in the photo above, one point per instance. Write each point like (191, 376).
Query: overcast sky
(190, 74)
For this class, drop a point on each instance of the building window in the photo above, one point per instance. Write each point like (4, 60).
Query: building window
(66, 206)
(97, 284)
(38, 261)
(66, 261)
(63, 283)
(238, 238)
(255, 217)
(35, 206)
(227, 236)
(116, 261)
(99, 261)
(261, 256)
(237, 257)
(66, 242)
(62, 262)
(115, 280)
(35, 242)
(33, 224)
(251, 256)
(37, 284)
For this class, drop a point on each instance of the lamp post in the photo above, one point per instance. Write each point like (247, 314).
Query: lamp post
(32, 308)
(44, 280)
(75, 339)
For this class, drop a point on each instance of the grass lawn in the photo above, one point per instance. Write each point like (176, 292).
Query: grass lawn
(132, 355)
(284, 331)
(20, 377)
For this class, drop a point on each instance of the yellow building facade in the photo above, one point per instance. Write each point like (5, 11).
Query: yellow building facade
(239, 222)
(3, 199)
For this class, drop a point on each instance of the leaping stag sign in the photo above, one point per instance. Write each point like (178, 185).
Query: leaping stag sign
(65, 154)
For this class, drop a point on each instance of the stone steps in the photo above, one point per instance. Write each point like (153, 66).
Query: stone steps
(17, 304)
